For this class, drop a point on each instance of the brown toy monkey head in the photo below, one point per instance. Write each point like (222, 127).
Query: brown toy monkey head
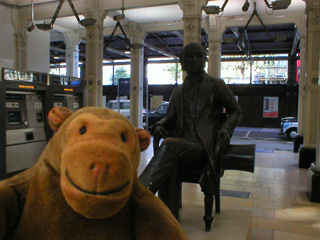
(97, 152)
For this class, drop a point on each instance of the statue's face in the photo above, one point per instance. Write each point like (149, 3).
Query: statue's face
(193, 59)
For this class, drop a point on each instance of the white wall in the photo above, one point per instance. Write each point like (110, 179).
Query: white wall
(7, 32)
(38, 51)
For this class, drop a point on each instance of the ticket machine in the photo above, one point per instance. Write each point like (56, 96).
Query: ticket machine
(23, 101)
(67, 92)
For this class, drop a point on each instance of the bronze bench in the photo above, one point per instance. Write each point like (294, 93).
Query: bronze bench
(235, 157)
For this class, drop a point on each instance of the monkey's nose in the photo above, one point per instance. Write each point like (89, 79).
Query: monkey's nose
(98, 168)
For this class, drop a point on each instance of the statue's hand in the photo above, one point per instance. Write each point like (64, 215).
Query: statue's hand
(159, 132)
(224, 138)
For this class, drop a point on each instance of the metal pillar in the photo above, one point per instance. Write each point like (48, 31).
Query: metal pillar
(214, 31)
(137, 37)
(94, 54)
(192, 10)
(21, 47)
(72, 41)
(311, 119)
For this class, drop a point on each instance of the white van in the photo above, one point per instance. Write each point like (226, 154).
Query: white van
(124, 106)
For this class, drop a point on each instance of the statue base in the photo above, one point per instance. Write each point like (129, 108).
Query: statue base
(297, 141)
(314, 184)
(307, 155)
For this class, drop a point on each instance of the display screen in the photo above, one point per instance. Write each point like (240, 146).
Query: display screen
(14, 118)
(10, 74)
(25, 76)
(15, 97)
(55, 79)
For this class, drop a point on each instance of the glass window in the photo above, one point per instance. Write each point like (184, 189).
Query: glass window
(62, 71)
(111, 74)
(235, 72)
(164, 73)
(238, 71)
(270, 72)
(107, 75)
(121, 71)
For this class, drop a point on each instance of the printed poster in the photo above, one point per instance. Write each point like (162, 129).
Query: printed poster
(270, 107)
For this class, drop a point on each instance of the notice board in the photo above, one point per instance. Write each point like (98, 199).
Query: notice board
(270, 107)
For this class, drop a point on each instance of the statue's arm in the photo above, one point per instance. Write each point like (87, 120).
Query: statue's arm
(231, 105)
(168, 122)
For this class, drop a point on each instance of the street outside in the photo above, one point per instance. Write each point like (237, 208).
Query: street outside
(266, 139)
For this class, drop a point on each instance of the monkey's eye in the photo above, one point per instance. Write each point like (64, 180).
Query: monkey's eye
(123, 137)
(83, 130)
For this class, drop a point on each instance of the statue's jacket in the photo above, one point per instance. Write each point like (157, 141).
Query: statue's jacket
(214, 95)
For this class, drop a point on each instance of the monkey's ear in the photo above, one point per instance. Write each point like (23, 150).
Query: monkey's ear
(144, 138)
(57, 116)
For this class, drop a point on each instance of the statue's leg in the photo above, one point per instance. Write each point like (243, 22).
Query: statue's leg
(212, 190)
(161, 165)
(170, 191)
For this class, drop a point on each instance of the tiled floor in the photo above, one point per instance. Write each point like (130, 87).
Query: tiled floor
(278, 201)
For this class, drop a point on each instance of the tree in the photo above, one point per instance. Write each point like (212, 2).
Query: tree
(120, 72)
(174, 71)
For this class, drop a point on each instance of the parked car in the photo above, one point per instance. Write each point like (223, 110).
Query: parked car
(124, 107)
(157, 115)
(289, 126)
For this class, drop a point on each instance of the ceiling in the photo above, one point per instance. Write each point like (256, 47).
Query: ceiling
(255, 38)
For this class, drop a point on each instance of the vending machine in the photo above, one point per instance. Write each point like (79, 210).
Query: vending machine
(24, 103)
(68, 92)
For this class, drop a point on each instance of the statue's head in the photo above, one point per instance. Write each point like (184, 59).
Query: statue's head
(193, 58)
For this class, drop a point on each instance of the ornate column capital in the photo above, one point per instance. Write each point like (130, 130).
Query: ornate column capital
(192, 10)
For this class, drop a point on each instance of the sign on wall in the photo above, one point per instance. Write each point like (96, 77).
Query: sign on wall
(270, 107)
(124, 86)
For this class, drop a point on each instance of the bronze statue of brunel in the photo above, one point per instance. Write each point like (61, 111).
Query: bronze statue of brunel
(193, 125)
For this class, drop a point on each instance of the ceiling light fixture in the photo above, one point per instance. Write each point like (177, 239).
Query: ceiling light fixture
(214, 9)
(121, 16)
(118, 24)
(245, 6)
(278, 4)
(48, 26)
(255, 13)
(32, 26)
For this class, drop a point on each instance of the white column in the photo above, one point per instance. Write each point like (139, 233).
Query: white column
(137, 37)
(214, 31)
(302, 77)
(94, 53)
(21, 44)
(312, 68)
(72, 42)
(317, 21)
(308, 151)
(192, 12)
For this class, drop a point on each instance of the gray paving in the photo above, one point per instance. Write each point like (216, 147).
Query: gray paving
(266, 139)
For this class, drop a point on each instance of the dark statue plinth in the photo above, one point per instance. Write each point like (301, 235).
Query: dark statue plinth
(307, 155)
(297, 142)
(314, 183)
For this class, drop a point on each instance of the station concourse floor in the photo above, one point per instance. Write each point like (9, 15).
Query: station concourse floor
(276, 196)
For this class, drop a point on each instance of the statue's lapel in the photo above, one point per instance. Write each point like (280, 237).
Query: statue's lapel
(179, 103)
(204, 92)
